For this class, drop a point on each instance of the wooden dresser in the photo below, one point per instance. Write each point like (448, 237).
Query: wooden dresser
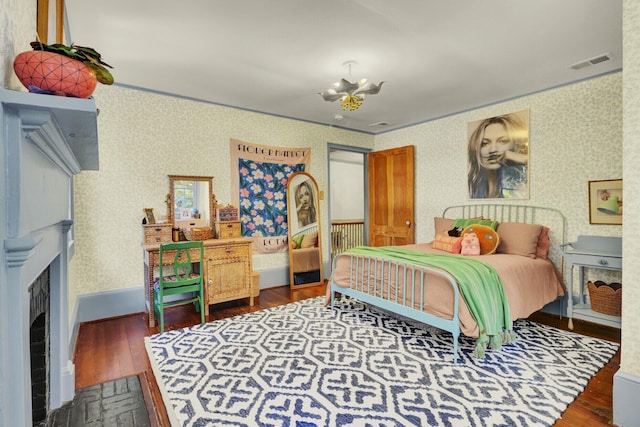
(227, 271)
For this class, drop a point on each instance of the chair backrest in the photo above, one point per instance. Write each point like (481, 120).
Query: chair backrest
(180, 263)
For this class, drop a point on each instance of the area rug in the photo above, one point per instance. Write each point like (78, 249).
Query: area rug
(302, 364)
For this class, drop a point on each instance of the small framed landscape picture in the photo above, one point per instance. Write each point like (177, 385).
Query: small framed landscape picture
(605, 202)
(148, 215)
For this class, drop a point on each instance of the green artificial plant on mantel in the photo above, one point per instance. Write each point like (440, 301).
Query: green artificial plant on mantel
(86, 55)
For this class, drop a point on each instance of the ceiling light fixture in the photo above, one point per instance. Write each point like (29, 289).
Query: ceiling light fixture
(350, 94)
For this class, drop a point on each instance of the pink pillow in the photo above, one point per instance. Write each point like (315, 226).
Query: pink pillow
(518, 239)
(448, 243)
(544, 243)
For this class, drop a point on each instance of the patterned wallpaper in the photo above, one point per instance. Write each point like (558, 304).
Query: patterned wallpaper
(143, 138)
(575, 136)
(630, 362)
(17, 29)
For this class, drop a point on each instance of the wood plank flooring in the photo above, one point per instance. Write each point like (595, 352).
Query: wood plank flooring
(113, 348)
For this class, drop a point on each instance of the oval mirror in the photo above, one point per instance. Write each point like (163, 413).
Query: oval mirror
(305, 238)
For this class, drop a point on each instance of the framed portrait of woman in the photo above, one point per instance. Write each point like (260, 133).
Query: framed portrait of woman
(498, 157)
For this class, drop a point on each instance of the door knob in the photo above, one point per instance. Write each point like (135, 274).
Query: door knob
(408, 223)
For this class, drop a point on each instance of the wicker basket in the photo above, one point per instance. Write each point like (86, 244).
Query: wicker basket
(197, 233)
(605, 298)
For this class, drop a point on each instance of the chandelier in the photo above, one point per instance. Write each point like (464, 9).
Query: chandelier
(350, 94)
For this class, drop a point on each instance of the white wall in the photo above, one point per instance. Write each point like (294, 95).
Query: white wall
(347, 191)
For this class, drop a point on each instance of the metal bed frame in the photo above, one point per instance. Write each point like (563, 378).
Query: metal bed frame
(360, 265)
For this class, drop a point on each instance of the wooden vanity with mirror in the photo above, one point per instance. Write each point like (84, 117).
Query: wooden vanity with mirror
(227, 262)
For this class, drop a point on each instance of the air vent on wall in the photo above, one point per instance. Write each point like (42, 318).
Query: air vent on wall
(593, 61)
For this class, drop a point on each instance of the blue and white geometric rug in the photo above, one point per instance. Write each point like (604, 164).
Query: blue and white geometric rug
(302, 364)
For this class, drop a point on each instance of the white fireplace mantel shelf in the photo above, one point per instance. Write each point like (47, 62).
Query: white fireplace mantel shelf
(74, 119)
(45, 140)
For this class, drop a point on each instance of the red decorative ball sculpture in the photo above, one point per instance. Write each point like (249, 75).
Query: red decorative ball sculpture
(52, 73)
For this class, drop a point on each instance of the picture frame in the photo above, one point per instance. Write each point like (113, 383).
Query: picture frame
(605, 202)
(498, 156)
(148, 215)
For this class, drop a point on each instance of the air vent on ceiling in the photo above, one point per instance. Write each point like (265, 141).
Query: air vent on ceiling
(379, 124)
(593, 61)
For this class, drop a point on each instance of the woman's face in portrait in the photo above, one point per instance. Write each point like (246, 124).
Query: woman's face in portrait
(495, 142)
(304, 197)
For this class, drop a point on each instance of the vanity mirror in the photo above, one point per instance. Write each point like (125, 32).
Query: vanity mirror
(190, 201)
(305, 238)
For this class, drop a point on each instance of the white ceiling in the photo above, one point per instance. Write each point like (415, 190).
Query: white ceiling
(436, 57)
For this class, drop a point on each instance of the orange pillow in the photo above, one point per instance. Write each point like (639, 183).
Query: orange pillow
(447, 243)
(544, 243)
(487, 236)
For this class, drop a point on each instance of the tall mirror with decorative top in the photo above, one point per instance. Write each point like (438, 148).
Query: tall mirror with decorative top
(305, 238)
(191, 201)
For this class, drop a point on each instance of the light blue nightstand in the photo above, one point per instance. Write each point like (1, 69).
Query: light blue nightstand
(590, 252)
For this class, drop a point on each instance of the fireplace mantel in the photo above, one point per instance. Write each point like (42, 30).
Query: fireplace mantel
(45, 141)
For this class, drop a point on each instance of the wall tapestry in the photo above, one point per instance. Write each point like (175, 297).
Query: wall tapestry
(498, 157)
(259, 176)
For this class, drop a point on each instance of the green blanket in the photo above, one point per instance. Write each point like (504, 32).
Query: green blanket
(478, 282)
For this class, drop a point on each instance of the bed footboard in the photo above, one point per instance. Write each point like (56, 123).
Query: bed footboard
(368, 276)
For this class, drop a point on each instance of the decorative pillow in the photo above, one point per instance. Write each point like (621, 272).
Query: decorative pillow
(518, 239)
(470, 244)
(297, 241)
(447, 243)
(442, 225)
(465, 222)
(544, 243)
(487, 237)
(310, 240)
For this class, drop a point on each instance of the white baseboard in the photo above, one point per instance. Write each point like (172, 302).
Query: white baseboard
(626, 389)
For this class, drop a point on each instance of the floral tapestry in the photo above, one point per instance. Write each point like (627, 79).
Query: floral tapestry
(259, 182)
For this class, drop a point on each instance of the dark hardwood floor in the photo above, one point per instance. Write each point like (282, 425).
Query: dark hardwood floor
(113, 348)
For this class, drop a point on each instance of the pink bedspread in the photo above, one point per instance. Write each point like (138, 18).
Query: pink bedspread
(529, 284)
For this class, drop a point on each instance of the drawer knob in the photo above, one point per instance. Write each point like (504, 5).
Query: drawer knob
(158, 229)
(603, 261)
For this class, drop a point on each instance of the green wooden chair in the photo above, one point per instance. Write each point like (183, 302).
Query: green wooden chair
(177, 277)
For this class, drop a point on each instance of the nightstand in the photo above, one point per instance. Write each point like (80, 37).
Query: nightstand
(590, 252)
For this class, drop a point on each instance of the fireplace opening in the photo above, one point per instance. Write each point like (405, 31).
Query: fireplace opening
(39, 343)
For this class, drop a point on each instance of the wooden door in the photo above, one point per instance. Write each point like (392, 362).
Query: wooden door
(391, 197)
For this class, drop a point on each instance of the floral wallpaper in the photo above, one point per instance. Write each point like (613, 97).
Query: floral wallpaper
(630, 362)
(575, 137)
(17, 29)
(144, 137)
